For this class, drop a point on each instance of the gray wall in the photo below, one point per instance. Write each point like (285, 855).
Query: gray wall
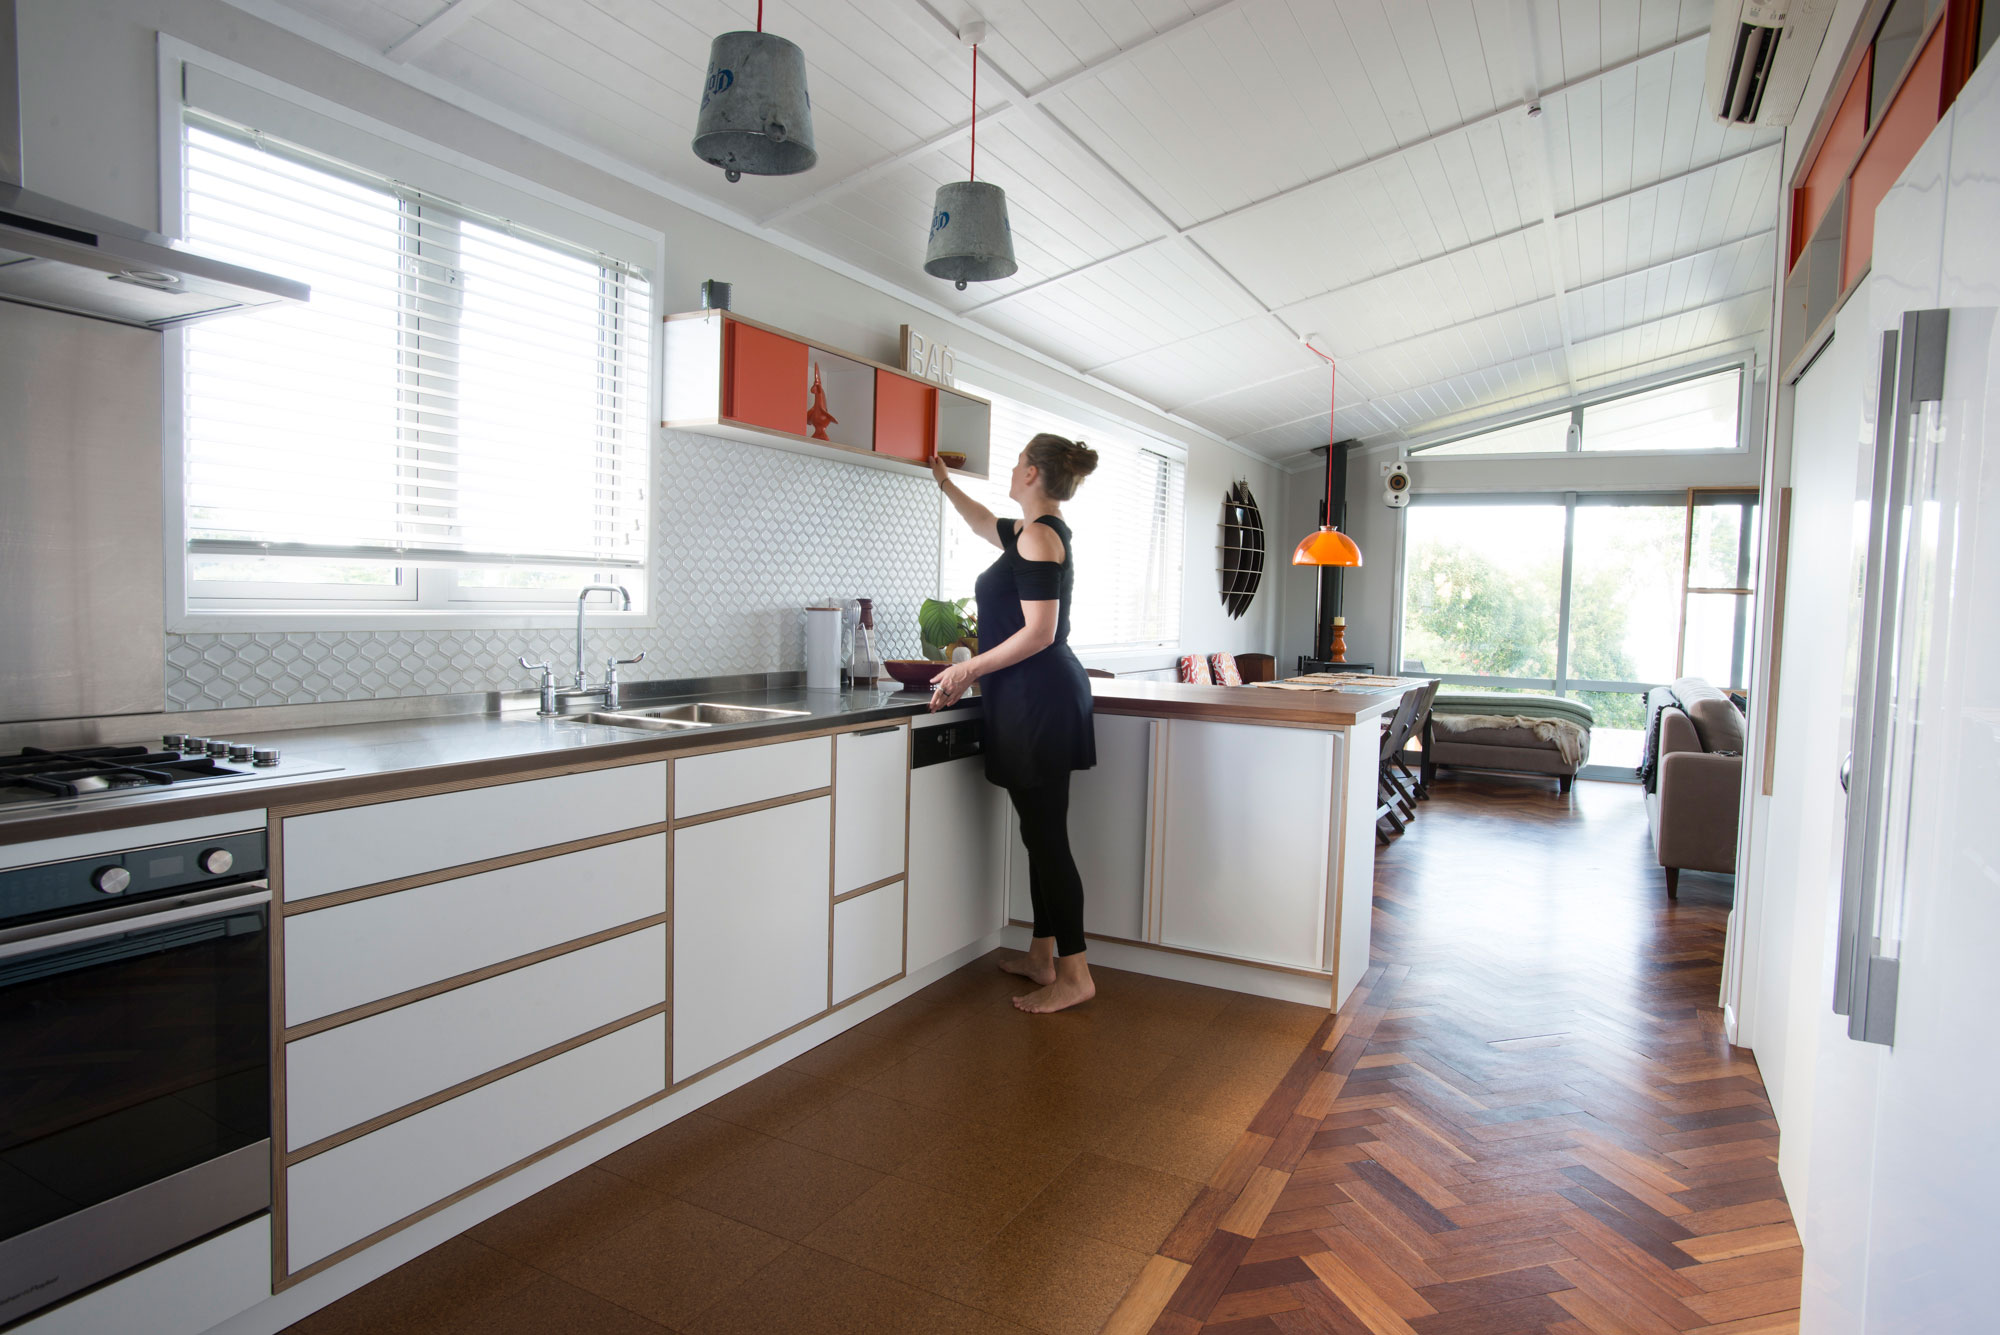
(746, 534)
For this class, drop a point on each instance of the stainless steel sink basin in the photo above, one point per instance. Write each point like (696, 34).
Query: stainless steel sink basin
(702, 714)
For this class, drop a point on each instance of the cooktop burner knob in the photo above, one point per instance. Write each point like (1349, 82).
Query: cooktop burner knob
(239, 752)
(195, 746)
(218, 748)
(174, 741)
(265, 755)
(111, 880)
(216, 861)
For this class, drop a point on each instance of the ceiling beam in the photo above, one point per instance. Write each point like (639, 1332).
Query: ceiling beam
(1529, 356)
(1019, 99)
(435, 29)
(1364, 164)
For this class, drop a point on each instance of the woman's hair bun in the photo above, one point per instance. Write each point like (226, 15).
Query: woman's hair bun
(1083, 459)
(1062, 463)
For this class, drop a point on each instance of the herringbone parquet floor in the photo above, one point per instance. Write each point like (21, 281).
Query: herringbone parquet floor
(1527, 1119)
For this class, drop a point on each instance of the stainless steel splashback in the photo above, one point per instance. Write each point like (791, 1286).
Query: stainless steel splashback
(82, 626)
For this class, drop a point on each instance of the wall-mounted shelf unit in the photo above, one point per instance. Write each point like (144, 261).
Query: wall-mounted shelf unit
(733, 377)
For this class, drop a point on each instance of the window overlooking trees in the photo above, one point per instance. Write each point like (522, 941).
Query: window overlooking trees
(1580, 595)
(1688, 415)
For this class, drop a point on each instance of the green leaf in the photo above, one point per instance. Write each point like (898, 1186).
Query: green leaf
(943, 623)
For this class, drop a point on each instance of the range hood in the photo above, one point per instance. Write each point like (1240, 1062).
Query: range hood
(64, 258)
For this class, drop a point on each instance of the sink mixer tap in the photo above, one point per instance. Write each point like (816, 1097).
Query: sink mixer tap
(552, 698)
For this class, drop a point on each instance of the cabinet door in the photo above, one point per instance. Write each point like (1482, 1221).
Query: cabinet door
(870, 803)
(1244, 824)
(765, 379)
(905, 414)
(751, 909)
(957, 822)
(867, 941)
(1108, 831)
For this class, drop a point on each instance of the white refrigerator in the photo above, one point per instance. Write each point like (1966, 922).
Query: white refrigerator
(1902, 1119)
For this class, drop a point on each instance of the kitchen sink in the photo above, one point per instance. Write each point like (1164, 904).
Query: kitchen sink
(703, 714)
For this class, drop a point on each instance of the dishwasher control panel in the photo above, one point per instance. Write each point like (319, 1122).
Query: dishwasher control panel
(947, 741)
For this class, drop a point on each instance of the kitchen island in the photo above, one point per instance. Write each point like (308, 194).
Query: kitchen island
(1227, 836)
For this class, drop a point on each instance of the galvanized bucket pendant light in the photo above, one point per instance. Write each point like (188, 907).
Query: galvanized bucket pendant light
(755, 114)
(971, 241)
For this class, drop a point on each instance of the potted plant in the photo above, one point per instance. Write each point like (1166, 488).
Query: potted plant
(947, 625)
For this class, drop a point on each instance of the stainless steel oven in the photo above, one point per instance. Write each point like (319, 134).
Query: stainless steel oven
(134, 1059)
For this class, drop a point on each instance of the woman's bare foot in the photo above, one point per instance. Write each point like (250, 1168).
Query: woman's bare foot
(1038, 965)
(1072, 986)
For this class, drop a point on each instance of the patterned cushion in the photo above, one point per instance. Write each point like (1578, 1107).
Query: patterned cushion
(1194, 670)
(1223, 668)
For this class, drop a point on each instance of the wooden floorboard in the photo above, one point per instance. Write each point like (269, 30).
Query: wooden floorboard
(1525, 1119)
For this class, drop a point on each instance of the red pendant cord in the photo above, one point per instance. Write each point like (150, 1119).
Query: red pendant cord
(1333, 399)
(760, 15)
(973, 160)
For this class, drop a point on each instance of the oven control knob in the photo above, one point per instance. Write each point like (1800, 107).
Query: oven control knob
(216, 861)
(240, 752)
(195, 746)
(265, 756)
(174, 741)
(111, 880)
(218, 748)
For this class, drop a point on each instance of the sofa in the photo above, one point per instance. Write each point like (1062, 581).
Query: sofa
(1511, 733)
(1693, 778)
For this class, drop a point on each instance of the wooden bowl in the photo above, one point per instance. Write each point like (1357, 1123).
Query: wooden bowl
(916, 674)
(952, 458)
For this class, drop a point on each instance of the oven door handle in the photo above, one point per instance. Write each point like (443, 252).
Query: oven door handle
(128, 918)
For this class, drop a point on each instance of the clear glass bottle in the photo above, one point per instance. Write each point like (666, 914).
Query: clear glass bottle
(864, 667)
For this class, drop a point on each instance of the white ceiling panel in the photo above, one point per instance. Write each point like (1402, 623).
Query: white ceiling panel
(1193, 183)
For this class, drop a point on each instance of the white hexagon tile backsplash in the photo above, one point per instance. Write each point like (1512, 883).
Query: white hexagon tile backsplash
(745, 537)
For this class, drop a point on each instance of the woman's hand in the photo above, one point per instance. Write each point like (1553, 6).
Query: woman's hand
(940, 472)
(952, 683)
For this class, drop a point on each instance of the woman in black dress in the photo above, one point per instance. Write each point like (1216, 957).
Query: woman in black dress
(1036, 697)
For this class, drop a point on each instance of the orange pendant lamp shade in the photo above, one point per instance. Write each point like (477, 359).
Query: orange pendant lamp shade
(1327, 546)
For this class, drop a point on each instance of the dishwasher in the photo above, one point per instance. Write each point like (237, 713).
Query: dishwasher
(958, 822)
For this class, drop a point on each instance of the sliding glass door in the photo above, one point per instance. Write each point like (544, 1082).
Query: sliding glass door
(1578, 594)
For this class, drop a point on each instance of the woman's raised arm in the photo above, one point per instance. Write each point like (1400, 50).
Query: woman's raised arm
(976, 516)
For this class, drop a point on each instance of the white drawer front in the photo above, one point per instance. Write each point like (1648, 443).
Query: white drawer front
(344, 1195)
(352, 954)
(344, 1076)
(338, 850)
(867, 940)
(723, 779)
(870, 802)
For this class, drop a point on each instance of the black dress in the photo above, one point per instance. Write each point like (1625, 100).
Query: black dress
(1038, 724)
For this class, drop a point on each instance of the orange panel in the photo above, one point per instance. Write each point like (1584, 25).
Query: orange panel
(905, 416)
(1910, 119)
(764, 376)
(1836, 154)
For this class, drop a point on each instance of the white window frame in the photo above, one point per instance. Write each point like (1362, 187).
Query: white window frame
(427, 597)
(1425, 448)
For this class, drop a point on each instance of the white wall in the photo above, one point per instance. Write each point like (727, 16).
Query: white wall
(90, 136)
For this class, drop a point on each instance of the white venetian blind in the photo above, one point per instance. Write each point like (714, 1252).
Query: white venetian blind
(457, 391)
(1126, 517)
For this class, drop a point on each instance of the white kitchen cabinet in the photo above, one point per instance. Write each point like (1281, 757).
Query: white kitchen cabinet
(351, 954)
(327, 851)
(724, 779)
(867, 940)
(352, 1191)
(1108, 831)
(1225, 886)
(751, 919)
(342, 1077)
(871, 784)
(958, 824)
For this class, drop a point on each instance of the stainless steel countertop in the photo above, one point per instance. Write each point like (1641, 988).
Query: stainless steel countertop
(515, 740)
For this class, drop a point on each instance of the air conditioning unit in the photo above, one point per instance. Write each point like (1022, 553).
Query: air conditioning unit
(1760, 54)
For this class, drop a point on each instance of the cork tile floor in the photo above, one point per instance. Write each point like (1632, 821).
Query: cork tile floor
(949, 1165)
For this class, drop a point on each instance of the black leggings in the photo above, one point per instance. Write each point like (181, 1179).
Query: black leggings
(1054, 885)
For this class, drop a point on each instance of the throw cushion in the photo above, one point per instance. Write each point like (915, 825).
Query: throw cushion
(1716, 721)
(1223, 668)
(1194, 670)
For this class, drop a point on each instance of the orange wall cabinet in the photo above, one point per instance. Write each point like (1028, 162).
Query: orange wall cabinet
(732, 377)
(905, 416)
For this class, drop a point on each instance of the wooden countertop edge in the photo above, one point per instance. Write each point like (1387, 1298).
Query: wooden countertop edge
(1242, 704)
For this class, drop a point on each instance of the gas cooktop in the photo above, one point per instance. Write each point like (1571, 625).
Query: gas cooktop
(37, 776)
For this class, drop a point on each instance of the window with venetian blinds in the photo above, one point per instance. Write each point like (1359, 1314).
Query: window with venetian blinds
(458, 392)
(1127, 519)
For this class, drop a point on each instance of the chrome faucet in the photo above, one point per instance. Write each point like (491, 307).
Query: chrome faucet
(552, 699)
